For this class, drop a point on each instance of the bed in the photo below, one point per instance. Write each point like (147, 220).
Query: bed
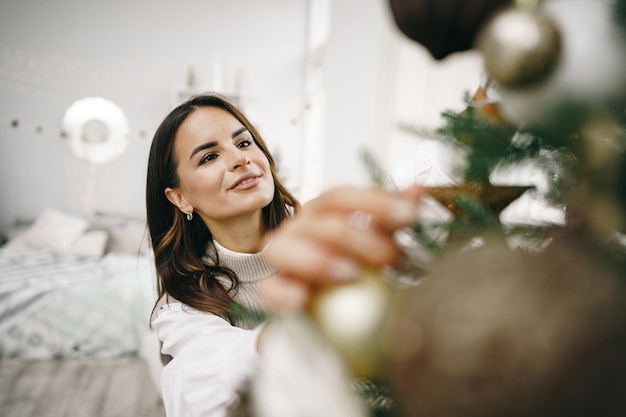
(75, 299)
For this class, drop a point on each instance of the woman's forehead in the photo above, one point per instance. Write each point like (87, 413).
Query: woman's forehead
(211, 119)
(207, 124)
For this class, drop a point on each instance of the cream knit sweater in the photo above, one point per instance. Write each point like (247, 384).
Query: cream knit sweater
(252, 270)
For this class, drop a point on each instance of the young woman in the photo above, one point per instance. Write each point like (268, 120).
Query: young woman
(212, 195)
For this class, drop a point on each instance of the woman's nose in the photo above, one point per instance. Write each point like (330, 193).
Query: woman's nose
(238, 159)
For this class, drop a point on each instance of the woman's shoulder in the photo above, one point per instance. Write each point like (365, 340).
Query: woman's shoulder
(163, 301)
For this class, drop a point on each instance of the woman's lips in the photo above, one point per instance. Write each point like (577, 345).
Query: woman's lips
(246, 183)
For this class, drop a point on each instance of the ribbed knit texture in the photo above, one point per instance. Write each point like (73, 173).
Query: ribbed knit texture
(252, 270)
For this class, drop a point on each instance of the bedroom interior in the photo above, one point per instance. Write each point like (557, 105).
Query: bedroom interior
(322, 79)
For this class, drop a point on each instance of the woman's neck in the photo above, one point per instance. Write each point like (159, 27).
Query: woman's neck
(242, 236)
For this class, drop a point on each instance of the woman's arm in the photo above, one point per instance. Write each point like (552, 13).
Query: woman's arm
(212, 360)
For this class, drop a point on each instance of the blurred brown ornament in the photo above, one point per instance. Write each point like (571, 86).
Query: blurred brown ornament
(519, 47)
(496, 197)
(496, 332)
(443, 26)
(15, 123)
(352, 317)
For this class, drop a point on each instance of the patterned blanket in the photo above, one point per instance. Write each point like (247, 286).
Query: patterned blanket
(54, 305)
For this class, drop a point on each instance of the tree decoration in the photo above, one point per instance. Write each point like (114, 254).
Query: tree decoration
(498, 332)
(496, 198)
(352, 317)
(443, 27)
(519, 47)
(587, 75)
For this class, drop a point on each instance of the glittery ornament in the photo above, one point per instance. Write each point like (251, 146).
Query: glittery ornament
(589, 72)
(497, 332)
(352, 318)
(519, 47)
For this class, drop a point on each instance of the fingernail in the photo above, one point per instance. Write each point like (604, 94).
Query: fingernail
(342, 269)
(404, 212)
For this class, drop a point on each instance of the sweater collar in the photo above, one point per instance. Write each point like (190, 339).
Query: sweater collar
(249, 267)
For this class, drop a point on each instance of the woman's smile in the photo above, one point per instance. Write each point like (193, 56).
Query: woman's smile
(246, 182)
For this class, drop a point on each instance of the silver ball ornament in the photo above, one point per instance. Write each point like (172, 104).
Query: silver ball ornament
(519, 47)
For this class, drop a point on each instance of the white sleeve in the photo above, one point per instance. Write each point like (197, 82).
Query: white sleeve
(211, 361)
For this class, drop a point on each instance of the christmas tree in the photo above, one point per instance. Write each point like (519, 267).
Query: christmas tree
(508, 332)
(494, 329)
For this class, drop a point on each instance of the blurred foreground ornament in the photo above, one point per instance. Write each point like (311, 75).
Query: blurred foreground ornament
(496, 332)
(519, 47)
(301, 375)
(352, 318)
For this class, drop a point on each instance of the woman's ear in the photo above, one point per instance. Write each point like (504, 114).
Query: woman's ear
(176, 198)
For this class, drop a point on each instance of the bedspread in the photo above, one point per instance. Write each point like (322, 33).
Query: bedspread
(55, 305)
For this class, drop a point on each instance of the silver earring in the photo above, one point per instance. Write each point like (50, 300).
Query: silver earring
(189, 216)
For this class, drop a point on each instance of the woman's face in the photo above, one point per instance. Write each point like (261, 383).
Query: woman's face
(223, 174)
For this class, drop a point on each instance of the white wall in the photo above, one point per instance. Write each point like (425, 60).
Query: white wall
(135, 52)
(422, 88)
(376, 79)
(355, 94)
(132, 53)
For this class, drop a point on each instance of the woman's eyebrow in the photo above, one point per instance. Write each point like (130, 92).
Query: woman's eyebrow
(201, 148)
(238, 132)
(212, 144)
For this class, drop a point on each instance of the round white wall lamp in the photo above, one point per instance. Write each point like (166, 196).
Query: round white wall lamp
(97, 130)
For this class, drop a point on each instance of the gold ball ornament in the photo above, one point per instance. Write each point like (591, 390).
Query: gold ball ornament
(353, 319)
(586, 72)
(519, 47)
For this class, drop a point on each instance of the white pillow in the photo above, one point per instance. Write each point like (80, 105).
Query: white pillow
(52, 230)
(90, 244)
(131, 239)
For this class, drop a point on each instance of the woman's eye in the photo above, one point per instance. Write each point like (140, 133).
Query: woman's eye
(208, 157)
(244, 143)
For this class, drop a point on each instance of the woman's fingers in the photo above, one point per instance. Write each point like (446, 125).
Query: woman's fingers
(340, 232)
(388, 210)
(307, 260)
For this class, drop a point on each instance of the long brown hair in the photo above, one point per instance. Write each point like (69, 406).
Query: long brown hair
(178, 244)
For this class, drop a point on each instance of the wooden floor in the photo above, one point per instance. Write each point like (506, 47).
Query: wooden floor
(78, 388)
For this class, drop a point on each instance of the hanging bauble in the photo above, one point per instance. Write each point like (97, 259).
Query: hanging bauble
(589, 74)
(352, 318)
(519, 47)
(443, 26)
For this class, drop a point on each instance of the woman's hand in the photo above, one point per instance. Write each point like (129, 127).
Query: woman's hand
(333, 237)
